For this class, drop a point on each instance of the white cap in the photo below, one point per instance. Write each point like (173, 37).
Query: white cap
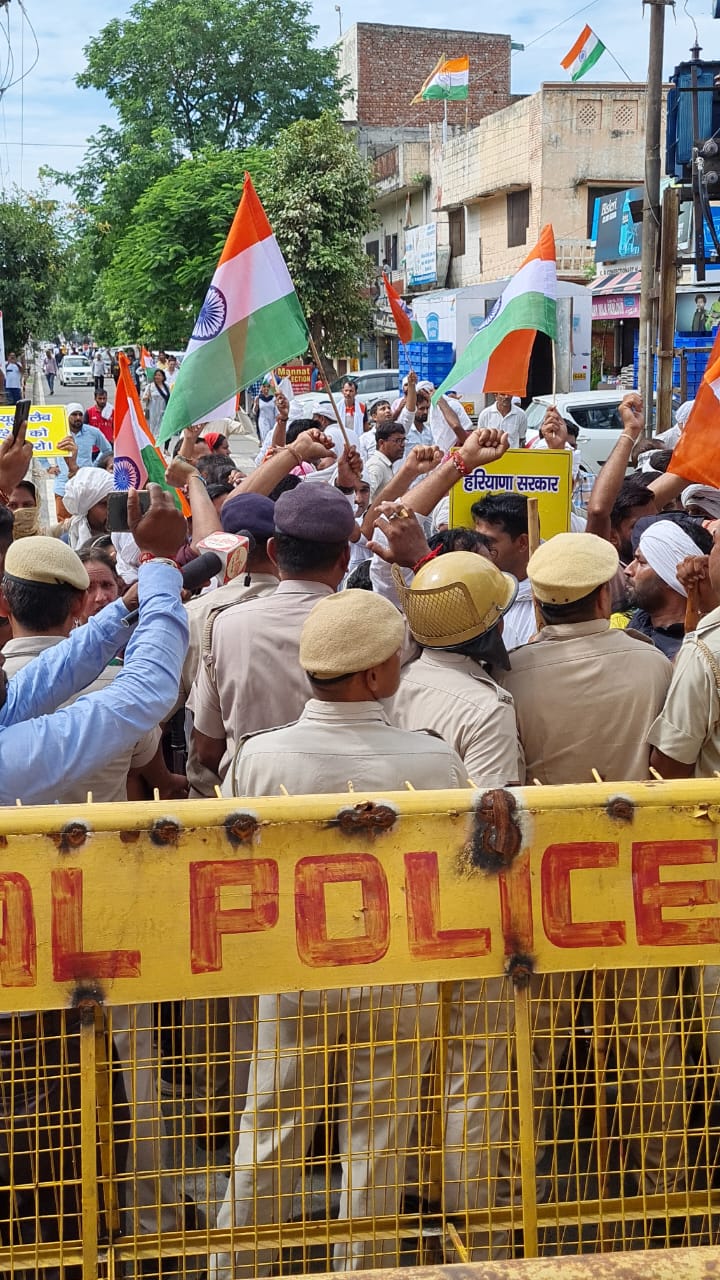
(74, 408)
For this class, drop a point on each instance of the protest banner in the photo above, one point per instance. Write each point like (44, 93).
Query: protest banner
(299, 376)
(47, 426)
(545, 474)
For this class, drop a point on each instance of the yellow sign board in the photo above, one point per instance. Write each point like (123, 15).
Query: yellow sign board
(47, 426)
(544, 474)
(212, 898)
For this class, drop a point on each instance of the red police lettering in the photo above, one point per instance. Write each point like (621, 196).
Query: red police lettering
(18, 944)
(314, 946)
(209, 921)
(559, 860)
(425, 937)
(651, 896)
(516, 911)
(71, 963)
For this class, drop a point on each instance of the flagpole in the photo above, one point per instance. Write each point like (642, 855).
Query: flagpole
(318, 362)
(619, 64)
(445, 125)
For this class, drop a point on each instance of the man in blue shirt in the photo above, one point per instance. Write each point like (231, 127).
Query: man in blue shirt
(85, 444)
(41, 746)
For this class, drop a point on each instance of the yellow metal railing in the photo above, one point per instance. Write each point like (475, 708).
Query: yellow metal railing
(360, 1032)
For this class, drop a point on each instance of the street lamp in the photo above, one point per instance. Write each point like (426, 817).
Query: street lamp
(338, 11)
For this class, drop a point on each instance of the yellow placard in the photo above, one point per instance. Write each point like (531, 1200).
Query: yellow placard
(544, 474)
(47, 426)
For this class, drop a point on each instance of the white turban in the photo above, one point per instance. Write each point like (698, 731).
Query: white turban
(88, 486)
(664, 545)
(705, 496)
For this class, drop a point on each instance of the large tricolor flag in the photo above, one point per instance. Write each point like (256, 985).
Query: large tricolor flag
(449, 79)
(408, 328)
(497, 358)
(586, 51)
(696, 456)
(137, 458)
(250, 321)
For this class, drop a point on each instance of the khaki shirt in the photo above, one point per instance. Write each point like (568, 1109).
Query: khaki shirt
(254, 680)
(455, 697)
(109, 783)
(585, 697)
(333, 744)
(200, 608)
(688, 727)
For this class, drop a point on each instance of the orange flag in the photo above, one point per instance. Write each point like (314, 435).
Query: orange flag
(696, 456)
(403, 323)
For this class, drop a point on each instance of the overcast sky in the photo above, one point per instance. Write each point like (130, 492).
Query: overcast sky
(51, 117)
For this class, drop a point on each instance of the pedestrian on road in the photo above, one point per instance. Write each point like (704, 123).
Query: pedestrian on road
(13, 379)
(154, 400)
(50, 369)
(98, 371)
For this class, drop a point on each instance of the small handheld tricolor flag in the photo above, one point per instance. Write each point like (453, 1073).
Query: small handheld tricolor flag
(449, 79)
(696, 456)
(586, 51)
(497, 358)
(408, 328)
(137, 458)
(250, 321)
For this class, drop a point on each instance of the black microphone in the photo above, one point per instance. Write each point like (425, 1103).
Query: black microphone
(194, 574)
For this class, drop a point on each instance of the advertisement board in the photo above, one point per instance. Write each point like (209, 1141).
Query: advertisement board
(421, 254)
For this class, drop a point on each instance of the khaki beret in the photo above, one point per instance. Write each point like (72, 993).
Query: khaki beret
(47, 560)
(349, 632)
(570, 566)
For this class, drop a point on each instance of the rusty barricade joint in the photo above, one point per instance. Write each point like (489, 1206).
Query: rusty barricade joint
(72, 836)
(240, 828)
(497, 837)
(165, 831)
(367, 818)
(620, 808)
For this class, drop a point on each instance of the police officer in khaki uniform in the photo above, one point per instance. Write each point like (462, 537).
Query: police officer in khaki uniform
(454, 609)
(254, 680)
(381, 1036)
(685, 742)
(585, 697)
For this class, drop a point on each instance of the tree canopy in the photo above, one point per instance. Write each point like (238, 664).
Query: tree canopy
(214, 73)
(29, 262)
(318, 197)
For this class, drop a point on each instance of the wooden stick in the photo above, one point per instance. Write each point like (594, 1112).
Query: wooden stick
(692, 609)
(533, 544)
(341, 424)
(554, 372)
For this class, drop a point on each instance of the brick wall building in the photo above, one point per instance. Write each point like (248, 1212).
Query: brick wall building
(386, 65)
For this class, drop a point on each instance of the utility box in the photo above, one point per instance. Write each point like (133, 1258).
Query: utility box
(679, 135)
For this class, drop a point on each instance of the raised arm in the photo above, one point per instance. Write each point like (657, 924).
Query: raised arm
(479, 449)
(609, 482)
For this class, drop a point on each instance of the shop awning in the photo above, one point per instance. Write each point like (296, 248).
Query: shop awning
(617, 296)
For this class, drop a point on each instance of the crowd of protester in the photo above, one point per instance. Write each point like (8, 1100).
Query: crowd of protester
(363, 641)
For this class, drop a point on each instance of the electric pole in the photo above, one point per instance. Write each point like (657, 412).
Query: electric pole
(651, 202)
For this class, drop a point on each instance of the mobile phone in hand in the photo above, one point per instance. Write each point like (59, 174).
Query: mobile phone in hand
(117, 521)
(22, 413)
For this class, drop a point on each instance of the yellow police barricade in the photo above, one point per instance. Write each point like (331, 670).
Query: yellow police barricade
(318, 1033)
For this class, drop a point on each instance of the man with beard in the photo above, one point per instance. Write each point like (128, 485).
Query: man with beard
(654, 589)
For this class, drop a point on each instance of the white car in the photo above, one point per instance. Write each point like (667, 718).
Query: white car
(596, 413)
(372, 384)
(76, 371)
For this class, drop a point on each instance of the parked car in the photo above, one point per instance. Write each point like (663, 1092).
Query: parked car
(373, 384)
(596, 413)
(76, 371)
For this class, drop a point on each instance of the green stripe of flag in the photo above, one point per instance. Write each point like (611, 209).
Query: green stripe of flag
(453, 93)
(527, 311)
(590, 61)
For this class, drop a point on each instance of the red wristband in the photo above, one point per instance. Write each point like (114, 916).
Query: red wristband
(425, 560)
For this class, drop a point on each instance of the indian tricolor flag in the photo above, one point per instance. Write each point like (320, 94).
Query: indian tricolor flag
(696, 456)
(449, 79)
(250, 321)
(497, 358)
(586, 51)
(137, 459)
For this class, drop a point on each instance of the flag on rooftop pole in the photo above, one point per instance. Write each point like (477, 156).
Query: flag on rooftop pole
(449, 79)
(497, 358)
(696, 456)
(138, 461)
(407, 326)
(250, 321)
(586, 51)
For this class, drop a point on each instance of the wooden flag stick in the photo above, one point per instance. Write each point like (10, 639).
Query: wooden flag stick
(692, 609)
(533, 544)
(341, 424)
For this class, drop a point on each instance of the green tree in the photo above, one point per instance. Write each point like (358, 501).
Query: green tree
(164, 261)
(319, 199)
(30, 260)
(214, 73)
